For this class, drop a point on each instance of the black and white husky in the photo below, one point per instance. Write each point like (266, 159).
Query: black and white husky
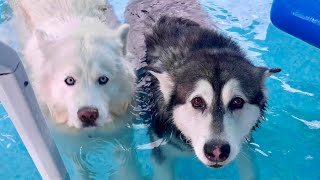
(207, 95)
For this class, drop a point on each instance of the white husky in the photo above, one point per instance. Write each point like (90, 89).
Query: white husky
(79, 67)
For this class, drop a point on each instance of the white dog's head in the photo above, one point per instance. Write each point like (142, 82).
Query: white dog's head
(84, 77)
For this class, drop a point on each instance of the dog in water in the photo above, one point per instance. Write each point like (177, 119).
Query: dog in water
(76, 59)
(207, 96)
(76, 56)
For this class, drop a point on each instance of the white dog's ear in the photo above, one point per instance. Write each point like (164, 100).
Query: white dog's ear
(123, 31)
(44, 40)
(166, 84)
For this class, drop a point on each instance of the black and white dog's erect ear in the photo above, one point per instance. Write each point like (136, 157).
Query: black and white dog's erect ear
(266, 72)
(166, 84)
(123, 32)
(270, 72)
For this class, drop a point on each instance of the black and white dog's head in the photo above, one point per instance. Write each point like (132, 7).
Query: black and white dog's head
(215, 97)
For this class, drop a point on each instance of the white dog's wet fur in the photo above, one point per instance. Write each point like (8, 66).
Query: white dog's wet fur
(76, 57)
(78, 64)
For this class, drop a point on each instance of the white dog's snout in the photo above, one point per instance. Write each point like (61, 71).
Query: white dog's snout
(88, 114)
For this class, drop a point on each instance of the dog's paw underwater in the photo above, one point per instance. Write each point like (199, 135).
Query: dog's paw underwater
(206, 90)
(79, 67)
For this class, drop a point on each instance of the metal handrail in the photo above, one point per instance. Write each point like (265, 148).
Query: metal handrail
(19, 100)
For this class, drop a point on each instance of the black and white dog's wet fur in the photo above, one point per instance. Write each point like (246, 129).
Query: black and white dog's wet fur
(207, 96)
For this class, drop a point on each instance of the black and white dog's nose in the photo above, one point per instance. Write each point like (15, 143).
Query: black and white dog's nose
(216, 151)
(88, 115)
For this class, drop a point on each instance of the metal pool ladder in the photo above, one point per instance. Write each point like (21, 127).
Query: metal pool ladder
(19, 100)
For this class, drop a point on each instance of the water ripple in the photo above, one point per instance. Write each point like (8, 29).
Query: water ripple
(315, 124)
(288, 88)
(100, 158)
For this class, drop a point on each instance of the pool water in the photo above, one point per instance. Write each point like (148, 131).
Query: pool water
(287, 146)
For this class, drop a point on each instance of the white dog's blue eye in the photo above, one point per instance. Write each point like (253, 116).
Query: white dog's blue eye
(103, 80)
(70, 81)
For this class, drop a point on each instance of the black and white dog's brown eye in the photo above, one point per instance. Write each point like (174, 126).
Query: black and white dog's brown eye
(103, 80)
(70, 81)
(236, 103)
(198, 103)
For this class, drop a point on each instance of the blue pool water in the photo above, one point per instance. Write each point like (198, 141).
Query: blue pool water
(287, 144)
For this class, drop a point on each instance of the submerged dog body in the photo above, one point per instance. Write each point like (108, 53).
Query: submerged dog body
(79, 66)
(208, 96)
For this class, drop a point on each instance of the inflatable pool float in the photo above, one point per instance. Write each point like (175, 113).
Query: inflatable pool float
(299, 18)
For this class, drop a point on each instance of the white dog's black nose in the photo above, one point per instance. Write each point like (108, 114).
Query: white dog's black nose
(88, 115)
(217, 151)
